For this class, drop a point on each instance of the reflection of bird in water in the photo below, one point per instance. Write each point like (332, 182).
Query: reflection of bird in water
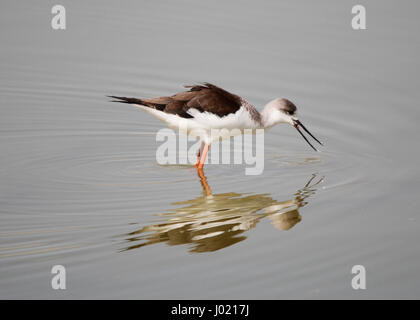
(215, 221)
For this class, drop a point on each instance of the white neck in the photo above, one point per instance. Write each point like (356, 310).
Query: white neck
(274, 113)
(270, 116)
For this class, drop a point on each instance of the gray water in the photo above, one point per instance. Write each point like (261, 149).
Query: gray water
(80, 185)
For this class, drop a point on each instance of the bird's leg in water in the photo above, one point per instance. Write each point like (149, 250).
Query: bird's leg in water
(204, 184)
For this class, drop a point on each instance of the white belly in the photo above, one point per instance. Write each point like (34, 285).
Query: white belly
(207, 126)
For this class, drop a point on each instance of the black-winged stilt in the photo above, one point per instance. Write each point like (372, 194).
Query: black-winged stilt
(206, 107)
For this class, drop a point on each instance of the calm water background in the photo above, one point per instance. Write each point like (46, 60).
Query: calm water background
(80, 186)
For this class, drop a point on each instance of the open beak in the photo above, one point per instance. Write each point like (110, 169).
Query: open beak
(297, 124)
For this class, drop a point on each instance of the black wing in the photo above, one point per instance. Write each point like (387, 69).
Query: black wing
(204, 98)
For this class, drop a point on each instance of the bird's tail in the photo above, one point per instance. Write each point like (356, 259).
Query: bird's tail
(154, 103)
(127, 100)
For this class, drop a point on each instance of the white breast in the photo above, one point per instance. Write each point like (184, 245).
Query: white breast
(203, 122)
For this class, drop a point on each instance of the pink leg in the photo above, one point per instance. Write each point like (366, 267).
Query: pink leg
(204, 155)
(200, 151)
(203, 180)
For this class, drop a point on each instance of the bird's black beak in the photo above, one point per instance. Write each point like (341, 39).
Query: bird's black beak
(297, 124)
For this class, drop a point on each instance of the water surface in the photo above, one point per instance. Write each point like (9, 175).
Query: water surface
(80, 185)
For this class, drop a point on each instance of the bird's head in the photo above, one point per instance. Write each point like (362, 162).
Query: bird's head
(281, 110)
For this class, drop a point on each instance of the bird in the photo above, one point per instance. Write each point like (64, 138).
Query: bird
(205, 106)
